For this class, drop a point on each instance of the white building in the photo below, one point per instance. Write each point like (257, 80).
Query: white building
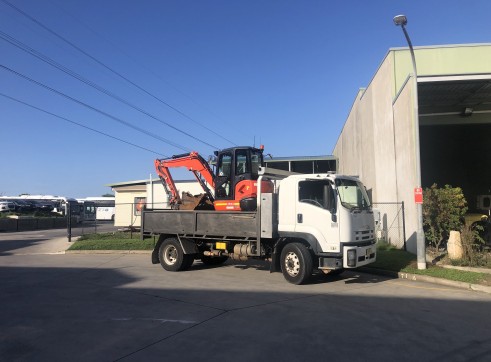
(128, 195)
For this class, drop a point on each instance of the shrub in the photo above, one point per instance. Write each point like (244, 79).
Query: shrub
(472, 245)
(443, 211)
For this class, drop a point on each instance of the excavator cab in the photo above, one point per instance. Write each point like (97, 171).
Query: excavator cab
(234, 182)
(236, 178)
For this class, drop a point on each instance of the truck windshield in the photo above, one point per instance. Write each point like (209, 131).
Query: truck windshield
(352, 194)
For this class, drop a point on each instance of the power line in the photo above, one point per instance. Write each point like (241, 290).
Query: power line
(94, 109)
(77, 76)
(80, 125)
(101, 63)
(134, 60)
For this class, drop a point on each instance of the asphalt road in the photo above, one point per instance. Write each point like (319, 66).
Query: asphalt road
(59, 307)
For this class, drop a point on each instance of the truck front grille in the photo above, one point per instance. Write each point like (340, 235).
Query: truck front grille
(364, 235)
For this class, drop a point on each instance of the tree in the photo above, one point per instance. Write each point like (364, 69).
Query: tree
(443, 211)
(107, 195)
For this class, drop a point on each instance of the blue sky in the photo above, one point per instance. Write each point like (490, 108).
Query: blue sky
(190, 75)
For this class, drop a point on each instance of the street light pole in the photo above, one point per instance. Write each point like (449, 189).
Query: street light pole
(401, 20)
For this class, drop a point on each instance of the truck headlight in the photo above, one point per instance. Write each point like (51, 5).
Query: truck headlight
(352, 258)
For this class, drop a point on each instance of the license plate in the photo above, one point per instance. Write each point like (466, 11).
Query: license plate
(368, 252)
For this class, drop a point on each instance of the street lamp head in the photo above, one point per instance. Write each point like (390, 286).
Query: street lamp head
(400, 20)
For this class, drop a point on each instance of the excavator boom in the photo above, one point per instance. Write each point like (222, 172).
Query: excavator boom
(194, 163)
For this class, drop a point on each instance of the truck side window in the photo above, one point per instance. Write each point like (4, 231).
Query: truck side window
(317, 193)
(241, 162)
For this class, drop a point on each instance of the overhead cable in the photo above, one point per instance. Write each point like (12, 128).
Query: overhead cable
(100, 62)
(81, 125)
(142, 65)
(128, 124)
(77, 76)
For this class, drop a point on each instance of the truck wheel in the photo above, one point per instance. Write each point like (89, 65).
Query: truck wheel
(214, 260)
(172, 257)
(296, 263)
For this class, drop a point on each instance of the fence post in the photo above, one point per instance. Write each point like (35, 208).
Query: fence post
(403, 226)
(69, 222)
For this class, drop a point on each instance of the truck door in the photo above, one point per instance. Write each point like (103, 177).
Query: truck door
(316, 213)
(223, 182)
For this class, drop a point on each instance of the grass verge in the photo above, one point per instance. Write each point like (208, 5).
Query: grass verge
(113, 241)
(401, 261)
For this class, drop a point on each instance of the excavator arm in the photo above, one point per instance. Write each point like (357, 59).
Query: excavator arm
(194, 163)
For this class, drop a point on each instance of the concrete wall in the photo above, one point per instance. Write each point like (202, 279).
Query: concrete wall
(366, 144)
(405, 159)
(346, 148)
(377, 142)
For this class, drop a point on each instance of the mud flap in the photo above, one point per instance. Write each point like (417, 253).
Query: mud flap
(188, 246)
(275, 263)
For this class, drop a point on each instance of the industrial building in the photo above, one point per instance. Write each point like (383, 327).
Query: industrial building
(436, 125)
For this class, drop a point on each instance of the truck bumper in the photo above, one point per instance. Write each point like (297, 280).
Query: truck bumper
(356, 256)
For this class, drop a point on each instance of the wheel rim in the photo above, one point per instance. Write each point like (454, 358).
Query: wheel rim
(292, 264)
(170, 255)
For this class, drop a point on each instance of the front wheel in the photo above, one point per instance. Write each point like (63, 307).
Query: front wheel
(172, 257)
(296, 263)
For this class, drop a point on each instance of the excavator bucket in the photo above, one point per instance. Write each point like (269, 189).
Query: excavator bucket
(195, 202)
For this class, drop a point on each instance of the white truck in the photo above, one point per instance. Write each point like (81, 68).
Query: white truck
(307, 222)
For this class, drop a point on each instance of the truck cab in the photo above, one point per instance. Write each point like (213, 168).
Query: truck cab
(332, 214)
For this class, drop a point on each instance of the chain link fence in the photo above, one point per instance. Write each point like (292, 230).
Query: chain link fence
(390, 223)
(128, 218)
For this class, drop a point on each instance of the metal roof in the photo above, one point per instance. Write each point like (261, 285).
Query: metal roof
(301, 158)
(141, 182)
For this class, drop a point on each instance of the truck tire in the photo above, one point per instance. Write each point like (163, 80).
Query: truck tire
(172, 257)
(296, 263)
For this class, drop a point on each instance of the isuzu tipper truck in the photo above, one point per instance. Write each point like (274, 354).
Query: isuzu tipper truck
(300, 223)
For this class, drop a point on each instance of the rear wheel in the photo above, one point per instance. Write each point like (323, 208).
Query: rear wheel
(296, 263)
(172, 257)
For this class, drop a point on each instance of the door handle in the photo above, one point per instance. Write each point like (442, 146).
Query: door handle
(299, 218)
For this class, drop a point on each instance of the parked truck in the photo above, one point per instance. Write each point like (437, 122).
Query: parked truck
(305, 222)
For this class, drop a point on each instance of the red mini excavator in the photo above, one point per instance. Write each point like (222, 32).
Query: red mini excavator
(233, 185)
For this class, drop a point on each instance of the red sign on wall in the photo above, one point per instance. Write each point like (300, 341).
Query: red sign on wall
(418, 195)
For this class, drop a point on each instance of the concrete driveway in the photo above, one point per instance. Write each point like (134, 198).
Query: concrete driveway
(57, 307)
